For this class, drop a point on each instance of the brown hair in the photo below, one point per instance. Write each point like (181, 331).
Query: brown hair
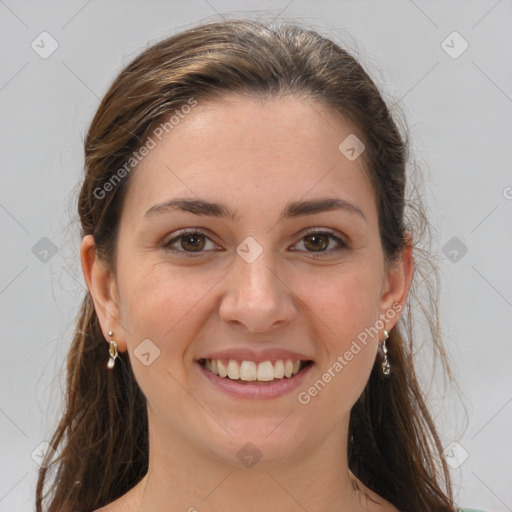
(102, 438)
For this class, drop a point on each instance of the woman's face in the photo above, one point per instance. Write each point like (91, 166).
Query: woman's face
(268, 275)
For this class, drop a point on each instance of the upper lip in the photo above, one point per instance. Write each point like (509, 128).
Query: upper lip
(268, 354)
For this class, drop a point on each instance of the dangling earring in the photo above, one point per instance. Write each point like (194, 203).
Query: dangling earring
(386, 367)
(112, 350)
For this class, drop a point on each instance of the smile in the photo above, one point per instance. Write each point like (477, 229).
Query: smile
(252, 380)
(250, 371)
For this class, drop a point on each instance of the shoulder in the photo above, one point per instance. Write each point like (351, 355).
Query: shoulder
(115, 506)
(129, 502)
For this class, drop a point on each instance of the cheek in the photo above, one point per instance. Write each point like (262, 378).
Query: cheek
(345, 299)
(163, 304)
(169, 309)
(344, 305)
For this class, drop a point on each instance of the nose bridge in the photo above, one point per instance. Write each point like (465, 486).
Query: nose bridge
(257, 280)
(255, 296)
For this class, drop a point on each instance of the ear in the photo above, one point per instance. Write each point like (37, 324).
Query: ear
(397, 284)
(101, 282)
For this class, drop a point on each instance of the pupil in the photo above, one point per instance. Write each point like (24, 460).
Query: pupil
(196, 242)
(319, 241)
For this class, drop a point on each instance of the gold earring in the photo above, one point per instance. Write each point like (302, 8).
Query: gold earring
(112, 350)
(386, 367)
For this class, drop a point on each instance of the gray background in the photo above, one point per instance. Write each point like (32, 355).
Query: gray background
(460, 115)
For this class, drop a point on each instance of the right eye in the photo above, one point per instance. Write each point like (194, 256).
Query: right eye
(191, 243)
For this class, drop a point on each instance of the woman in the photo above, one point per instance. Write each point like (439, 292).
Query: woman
(244, 345)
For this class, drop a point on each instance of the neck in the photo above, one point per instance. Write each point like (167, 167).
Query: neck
(182, 477)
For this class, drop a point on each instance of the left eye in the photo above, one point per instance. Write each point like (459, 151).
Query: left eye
(320, 242)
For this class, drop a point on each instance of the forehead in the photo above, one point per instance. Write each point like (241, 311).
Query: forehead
(237, 147)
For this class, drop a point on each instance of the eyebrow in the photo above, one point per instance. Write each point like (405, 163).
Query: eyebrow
(291, 210)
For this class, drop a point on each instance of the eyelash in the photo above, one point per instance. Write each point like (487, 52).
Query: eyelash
(189, 232)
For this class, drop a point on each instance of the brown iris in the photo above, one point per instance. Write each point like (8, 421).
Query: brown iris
(193, 242)
(319, 241)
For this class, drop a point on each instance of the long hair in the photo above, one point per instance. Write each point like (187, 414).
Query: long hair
(102, 438)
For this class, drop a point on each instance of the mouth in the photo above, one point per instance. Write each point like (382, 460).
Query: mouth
(255, 373)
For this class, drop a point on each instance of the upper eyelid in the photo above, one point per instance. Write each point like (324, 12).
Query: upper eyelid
(328, 231)
(186, 232)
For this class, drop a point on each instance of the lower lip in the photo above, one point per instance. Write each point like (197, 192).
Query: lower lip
(260, 391)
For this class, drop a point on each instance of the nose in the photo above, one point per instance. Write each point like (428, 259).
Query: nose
(256, 297)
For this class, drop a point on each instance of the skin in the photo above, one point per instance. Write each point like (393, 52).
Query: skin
(254, 157)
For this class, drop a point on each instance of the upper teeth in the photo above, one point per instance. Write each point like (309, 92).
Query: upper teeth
(250, 370)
